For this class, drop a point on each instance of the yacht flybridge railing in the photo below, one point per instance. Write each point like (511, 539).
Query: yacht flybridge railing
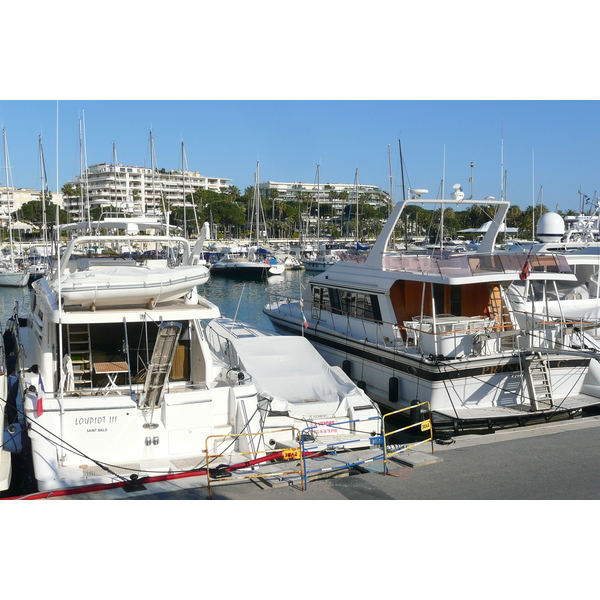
(467, 265)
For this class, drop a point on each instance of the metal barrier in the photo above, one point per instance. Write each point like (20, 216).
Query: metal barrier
(285, 454)
(373, 441)
(425, 425)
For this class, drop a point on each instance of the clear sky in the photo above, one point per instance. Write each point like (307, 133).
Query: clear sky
(548, 149)
(510, 88)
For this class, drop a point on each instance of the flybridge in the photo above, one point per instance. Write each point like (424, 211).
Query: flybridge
(502, 266)
(457, 198)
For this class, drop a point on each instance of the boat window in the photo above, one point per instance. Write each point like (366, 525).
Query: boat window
(321, 298)
(344, 302)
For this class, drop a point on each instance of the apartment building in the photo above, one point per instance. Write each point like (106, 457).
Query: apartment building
(135, 189)
(337, 194)
(20, 196)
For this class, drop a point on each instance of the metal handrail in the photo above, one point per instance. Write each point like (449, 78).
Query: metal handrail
(425, 425)
(373, 440)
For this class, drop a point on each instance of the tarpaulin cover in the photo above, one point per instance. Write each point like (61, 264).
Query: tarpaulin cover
(290, 370)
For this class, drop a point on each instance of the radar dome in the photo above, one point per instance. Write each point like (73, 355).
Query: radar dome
(550, 227)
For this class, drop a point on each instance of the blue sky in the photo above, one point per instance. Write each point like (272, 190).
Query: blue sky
(548, 149)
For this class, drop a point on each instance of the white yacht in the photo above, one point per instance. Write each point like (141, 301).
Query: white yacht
(411, 328)
(116, 388)
(576, 301)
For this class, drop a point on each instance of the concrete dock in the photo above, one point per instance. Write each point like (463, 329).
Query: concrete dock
(553, 461)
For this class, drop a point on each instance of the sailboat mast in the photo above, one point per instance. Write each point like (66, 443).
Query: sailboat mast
(391, 202)
(12, 256)
(44, 187)
(87, 191)
(318, 205)
(356, 199)
(184, 206)
(114, 147)
(257, 204)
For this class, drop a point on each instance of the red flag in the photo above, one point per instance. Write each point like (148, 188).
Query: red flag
(41, 394)
(304, 321)
(526, 270)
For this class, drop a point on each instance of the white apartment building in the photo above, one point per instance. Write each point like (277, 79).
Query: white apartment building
(337, 194)
(135, 189)
(20, 196)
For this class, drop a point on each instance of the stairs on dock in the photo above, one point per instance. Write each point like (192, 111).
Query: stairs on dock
(539, 385)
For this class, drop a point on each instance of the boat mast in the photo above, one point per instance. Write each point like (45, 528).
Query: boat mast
(114, 146)
(318, 205)
(257, 203)
(44, 189)
(184, 206)
(87, 191)
(356, 200)
(391, 202)
(12, 257)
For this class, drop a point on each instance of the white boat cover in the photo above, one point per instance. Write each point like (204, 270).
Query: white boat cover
(293, 373)
(106, 285)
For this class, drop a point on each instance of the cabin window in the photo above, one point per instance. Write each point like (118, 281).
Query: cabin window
(355, 304)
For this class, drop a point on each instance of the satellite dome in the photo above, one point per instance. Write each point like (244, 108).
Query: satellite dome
(550, 227)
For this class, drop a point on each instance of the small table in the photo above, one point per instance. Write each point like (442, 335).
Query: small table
(111, 370)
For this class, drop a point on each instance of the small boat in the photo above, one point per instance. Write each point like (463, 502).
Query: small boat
(247, 266)
(319, 263)
(253, 263)
(87, 278)
(12, 275)
(441, 329)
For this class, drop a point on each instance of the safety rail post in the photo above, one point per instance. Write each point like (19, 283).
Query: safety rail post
(294, 453)
(373, 440)
(425, 425)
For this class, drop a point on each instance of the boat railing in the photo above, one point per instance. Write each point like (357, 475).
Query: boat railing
(372, 331)
(417, 423)
(466, 265)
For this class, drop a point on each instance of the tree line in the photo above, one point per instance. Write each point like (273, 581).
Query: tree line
(232, 214)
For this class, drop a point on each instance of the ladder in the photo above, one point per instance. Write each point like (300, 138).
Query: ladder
(539, 385)
(80, 351)
(160, 365)
(499, 310)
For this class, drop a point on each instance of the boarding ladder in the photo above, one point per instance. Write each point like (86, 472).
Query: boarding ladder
(539, 385)
(499, 310)
(80, 351)
(160, 365)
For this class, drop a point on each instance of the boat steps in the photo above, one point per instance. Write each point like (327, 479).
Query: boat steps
(538, 381)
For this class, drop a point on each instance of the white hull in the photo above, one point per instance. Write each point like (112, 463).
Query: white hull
(14, 278)
(247, 269)
(5, 456)
(488, 381)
